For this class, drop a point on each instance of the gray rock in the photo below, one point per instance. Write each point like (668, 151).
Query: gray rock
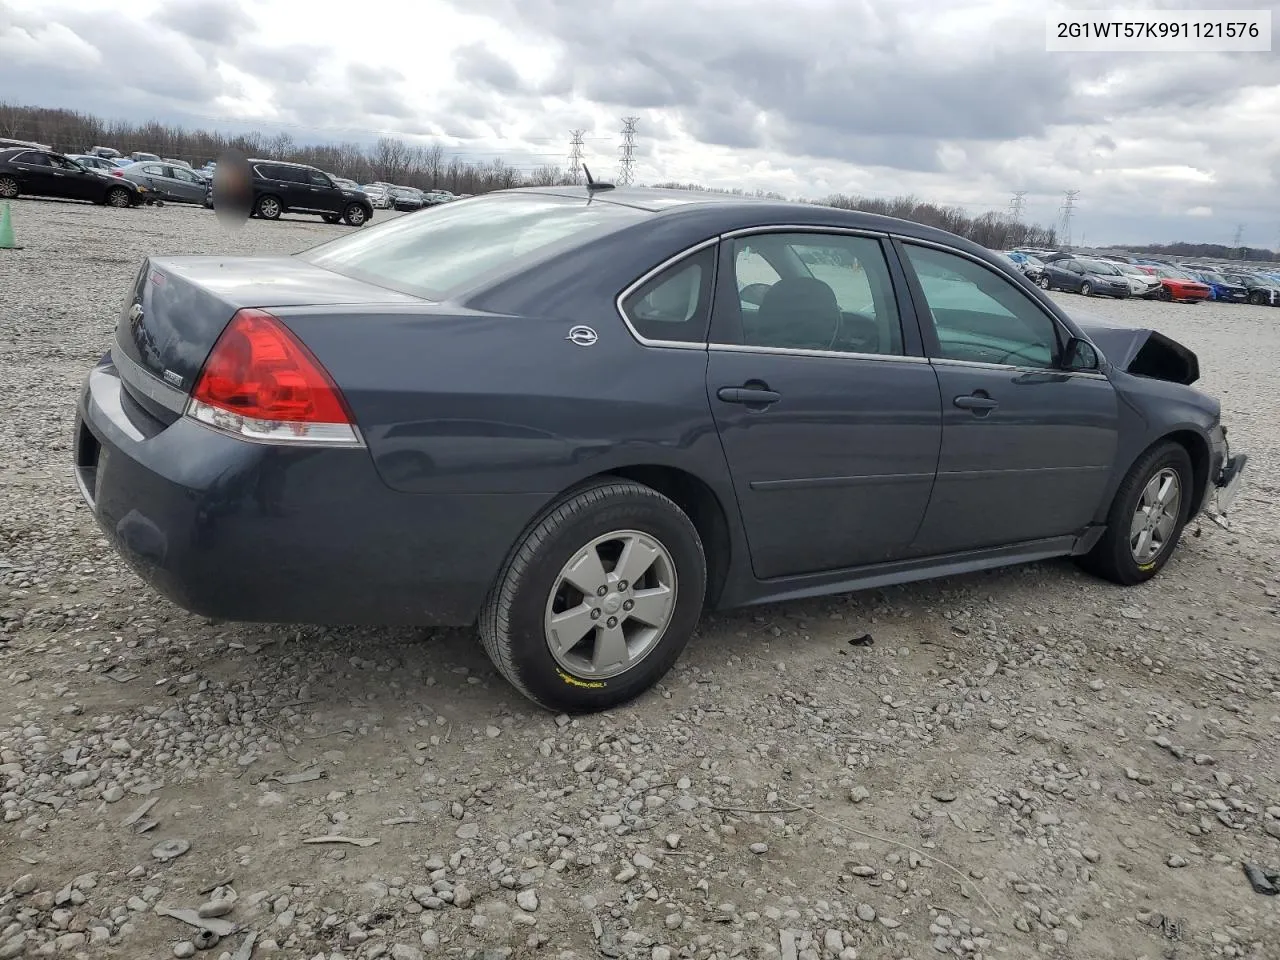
(24, 885)
(403, 951)
(183, 949)
(858, 794)
(759, 848)
(527, 900)
(866, 912)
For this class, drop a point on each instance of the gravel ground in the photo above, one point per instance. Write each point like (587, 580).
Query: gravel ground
(1027, 762)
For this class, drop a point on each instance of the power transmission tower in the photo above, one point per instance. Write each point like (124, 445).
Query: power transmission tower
(1068, 210)
(626, 172)
(1016, 205)
(1235, 242)
(575, 155)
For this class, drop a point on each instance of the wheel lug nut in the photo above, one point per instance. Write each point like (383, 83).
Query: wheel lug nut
(595, 614)
(622, 585)
(600, 592)
(628, 605)
(611, 622)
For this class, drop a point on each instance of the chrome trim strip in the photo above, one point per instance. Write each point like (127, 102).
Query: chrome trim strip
(645, 278)
(1011, 368)
(142, 379)
(800, 352)
(803, 228)
(813, 483)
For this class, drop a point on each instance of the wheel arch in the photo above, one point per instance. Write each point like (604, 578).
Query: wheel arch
(1197, 448)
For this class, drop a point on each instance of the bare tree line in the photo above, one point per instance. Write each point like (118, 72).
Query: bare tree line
(392, 160)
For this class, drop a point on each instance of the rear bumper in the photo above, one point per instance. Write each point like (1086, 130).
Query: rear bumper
(246, 531)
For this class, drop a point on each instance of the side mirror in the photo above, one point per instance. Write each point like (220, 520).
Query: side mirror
(1080, 355)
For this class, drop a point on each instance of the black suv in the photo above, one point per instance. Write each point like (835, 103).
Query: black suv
(280, 187)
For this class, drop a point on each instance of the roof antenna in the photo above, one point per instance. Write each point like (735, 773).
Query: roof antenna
(595, 185)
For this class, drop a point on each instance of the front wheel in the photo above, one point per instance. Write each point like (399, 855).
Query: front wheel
(119, 197)
(1085, 289)
(354, 215)
(1044, 283)
(1144, 524)
(598, 599)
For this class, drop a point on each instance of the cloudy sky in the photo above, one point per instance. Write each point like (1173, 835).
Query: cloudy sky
(955, 101)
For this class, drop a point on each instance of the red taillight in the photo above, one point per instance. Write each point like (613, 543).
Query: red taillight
(262, 383)
(117, 173)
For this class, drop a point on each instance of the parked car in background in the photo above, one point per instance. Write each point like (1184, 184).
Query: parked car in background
(346, 184)
(6, 143)
(400, 428)
(1220, 288)
(405, 198)
(44, 173)
(106, 153)
(94, 162)
(1262, 290)
(1028, 263)
(167, 182)
(280, 187)
(1181, 286)
(177, 163)
(379, 195)
(1141, 282)
(1085, 276)
(139, 155)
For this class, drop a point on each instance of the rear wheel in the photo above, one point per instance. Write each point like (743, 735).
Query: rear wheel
(268, 207)
(1146, 518)
(354, 215)
(8, 188)
(1258, 298)
(119, 197)
(598, 599)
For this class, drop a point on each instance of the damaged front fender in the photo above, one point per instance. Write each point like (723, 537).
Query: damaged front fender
(1144, 353)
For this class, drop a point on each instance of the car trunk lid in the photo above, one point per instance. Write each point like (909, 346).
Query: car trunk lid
(179, 306)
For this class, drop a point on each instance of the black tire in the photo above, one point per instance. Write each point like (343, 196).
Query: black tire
(1258, 298)
(1045, 284)
(1086, 290)
(8, 188)
(1111, 558)
(119, 197)
(330, 218)
(512, 621)
(354, 215)
(268, 207)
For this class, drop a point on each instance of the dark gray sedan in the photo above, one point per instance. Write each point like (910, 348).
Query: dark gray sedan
(578, 417)
(168, 181)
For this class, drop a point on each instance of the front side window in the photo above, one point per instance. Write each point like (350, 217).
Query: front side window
(829, 292)
(980, 316)
(460, 244)
(675, 305)
(318, 179)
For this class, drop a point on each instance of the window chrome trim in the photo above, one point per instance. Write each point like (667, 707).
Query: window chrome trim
(802, 352)
(804, 228)
(1013, 368)
(645, 278)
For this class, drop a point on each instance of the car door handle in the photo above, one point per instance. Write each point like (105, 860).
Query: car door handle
(975, 402)
(748, 395)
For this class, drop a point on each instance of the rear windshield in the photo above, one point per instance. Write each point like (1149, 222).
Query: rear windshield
(435, 253)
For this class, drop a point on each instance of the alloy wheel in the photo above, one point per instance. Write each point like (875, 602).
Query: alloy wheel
(610, 604)
(1156, 517)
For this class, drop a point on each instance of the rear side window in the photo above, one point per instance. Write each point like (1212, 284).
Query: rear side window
(674, 305)
(462, 243)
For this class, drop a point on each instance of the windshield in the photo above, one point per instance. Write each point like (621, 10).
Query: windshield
(1170, 274)
(435, 256)
(1208, 276)
(1100, 267)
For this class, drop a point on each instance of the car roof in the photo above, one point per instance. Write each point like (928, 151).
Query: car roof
(727, 212)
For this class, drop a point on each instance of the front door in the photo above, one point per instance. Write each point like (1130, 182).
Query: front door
(828, 416)
(1027, 447)
(79, 183)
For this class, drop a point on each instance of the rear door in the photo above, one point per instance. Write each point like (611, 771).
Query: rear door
(828, 414)
(1027, 446)
(35, 174)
